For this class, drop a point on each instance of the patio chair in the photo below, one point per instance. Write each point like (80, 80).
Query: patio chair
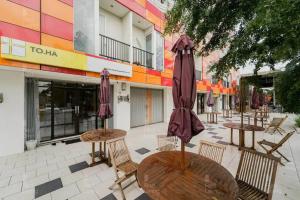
(212, 151)
(256, 175)
(273, 147)
(124, 167)
(166, 143)
(276, 123)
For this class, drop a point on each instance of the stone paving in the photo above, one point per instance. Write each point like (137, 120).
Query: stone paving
(61, 172)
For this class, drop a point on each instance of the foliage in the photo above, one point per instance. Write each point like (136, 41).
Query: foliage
(297, 120)
(287, 87)
(257, 32)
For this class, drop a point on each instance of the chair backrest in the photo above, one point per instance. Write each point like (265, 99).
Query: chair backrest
(166, 143)
(212, 151)
(118, 151)
(283, 119)
(283, 140)
(258, 170)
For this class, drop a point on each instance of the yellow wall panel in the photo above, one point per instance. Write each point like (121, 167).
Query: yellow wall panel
(141, 2)
(12, 63)
(138, 77)
(152, 79)
(136, 68)
(56, 42)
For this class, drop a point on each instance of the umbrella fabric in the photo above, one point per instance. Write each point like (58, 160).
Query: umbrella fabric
(254, 99)
(184, 123)
(210, 99)
(104, 96)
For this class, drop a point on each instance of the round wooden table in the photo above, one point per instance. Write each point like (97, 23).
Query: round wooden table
(242, 129)
(212, 117)
(99, 135)
(161, 178)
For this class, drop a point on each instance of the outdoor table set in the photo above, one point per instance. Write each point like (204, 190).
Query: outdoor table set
(227, 113)
(212, 117)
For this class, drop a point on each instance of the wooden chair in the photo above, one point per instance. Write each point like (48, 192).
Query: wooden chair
(123, 165)
(273, 147)
(276, 123)
(256, 175)
(166, 143)
(212, 151)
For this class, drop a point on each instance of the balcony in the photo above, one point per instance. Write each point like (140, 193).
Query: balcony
(113, 49)
(142, 57)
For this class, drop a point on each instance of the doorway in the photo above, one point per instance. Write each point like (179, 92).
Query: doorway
(200, 103)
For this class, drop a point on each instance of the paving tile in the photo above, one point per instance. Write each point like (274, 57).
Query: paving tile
(25, 195)
(22, 177)
(87, 195)
(212, 133)
(88, 183)
(222, 142)
(143, 196)
(190, 145)
(31, 183)
(4, 181)
(72, 178)
(65, 192)
(222, 128)
(109, 197)
(78, 166)
(59, 173)
(11, 189)
(142, 151)
(217, 137)
(210, 129)
(48, 187)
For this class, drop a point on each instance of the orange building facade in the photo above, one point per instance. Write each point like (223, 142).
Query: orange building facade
(52, 52)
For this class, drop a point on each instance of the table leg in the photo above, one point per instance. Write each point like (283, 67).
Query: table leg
(216, 118)
(255, 121)
(248, 120)
(100, 150)
(241, 139)
(231, 135)
(207, 117)
(253, 140)
(262, 122)
(93, 152)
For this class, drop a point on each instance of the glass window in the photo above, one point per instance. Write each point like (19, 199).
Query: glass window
(84, 26)
(159, 52)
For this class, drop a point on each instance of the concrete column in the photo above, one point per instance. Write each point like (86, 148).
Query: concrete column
(12, 125)
(121, 107)
(168, 104)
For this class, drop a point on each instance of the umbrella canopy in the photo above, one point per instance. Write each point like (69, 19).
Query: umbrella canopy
(210, 99)
(254, 99)
(104, 96)
(184, 123)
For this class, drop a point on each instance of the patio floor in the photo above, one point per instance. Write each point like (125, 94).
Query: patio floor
(60, 172)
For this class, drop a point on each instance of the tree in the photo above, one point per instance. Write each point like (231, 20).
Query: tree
(287, 88)
(258, 32)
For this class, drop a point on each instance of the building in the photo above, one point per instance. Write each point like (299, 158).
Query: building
(53, 50)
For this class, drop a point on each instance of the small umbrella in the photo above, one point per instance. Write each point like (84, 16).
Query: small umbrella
(104, 98)
(254, 99)
(184, 123)
(210, 99)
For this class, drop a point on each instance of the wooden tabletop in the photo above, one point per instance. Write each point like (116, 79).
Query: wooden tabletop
(161, 178)
(216, 113)
(98, 135)
(245, 127)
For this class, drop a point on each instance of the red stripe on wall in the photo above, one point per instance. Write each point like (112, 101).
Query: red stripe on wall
(33, 4)
(133, 6)
(154, 10)
(153, 72)
(19, 32)
(56, 27)
(168, 45)
(62, 70)
(69, 2)
(168, 64)
(166, 81)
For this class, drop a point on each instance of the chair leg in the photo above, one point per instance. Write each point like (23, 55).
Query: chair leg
(122, 192)
(283, 156)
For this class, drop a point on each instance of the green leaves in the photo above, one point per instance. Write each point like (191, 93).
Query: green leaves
(262, 32)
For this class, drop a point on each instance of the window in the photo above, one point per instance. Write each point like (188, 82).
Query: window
(159, 52)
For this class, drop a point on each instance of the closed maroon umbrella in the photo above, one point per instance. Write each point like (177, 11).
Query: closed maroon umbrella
(254, 99)
(210, 99)
(261, 99)
(184, 123)
(104, 97)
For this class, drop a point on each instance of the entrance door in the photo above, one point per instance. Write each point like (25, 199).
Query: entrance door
(200, 103)
(75, 109)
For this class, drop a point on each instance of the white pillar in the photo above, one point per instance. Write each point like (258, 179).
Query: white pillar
(12, 126)
(168, 104)
(121, 107)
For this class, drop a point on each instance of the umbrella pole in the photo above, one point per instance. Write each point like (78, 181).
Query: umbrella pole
(182, 155)
(104, 126)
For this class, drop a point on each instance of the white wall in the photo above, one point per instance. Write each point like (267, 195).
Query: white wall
(113, 25)
(12, 130)
(121, 109)
(139, 35)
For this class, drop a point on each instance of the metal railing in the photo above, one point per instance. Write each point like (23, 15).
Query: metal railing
(142, 57)
(114, 49)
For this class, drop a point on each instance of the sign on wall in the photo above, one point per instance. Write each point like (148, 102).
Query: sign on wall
(29, 52)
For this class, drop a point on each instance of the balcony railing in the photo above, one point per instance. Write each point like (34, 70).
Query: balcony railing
(142, 57)
(114, 49)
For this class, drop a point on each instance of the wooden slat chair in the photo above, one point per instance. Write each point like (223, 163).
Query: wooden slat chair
(256, 175)
(212, 151)
(273, 147)
(166, 143)
(123, 165)
(276, 123)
